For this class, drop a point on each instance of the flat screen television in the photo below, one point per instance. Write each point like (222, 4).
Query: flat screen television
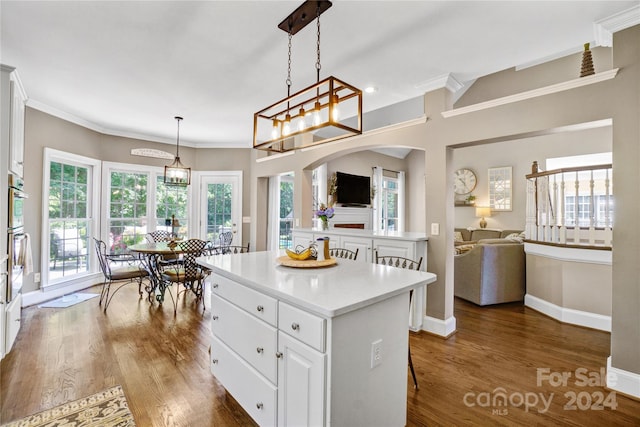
(353, 190)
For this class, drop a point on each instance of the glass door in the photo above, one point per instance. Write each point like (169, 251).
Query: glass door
(221, 208)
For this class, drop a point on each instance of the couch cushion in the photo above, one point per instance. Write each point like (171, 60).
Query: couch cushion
(485, 234)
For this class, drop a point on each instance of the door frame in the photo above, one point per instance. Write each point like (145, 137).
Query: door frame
(199, 212)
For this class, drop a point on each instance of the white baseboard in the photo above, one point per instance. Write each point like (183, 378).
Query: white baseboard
(444, 328)
(569, 315)
(46, 294)
(623, 381)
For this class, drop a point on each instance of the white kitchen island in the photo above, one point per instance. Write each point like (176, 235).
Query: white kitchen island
(322, 346)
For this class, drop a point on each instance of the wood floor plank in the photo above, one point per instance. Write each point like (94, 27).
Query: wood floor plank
(162, 363)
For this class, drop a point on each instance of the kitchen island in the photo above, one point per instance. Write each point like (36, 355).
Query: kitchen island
(312, 346)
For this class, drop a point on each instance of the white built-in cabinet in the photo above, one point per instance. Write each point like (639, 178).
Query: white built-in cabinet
(269, 355)
(18, 98)
(12, 110)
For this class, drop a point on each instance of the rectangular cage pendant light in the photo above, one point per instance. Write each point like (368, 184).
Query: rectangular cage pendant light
(326, 111)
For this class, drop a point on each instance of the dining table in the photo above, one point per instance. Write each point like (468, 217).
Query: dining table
(152, 256)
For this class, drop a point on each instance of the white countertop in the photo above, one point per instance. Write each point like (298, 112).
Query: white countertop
(358, 232)
(328, 292)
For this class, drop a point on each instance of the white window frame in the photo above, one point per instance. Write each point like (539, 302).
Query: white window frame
(94, 166)
(152, 171)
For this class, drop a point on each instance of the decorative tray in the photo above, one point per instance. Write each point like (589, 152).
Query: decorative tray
(307, 263)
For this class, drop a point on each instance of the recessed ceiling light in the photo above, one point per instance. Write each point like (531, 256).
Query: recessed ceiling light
(370, 89)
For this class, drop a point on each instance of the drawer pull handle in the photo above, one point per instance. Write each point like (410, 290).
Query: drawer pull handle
(215, 286)
(214, 361)
(260, 308)
(259, 405)
(279, 355)
(215, 317)
(295, 326)
(260, 350)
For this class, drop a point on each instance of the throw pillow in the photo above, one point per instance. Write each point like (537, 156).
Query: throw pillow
(518, 237)
(457, 236)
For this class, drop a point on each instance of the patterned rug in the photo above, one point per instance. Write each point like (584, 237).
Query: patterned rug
(107, 408)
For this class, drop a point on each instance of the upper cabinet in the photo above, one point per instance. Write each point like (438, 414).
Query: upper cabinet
(15, 120)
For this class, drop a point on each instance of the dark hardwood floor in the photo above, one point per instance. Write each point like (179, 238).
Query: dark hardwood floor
(161, 361)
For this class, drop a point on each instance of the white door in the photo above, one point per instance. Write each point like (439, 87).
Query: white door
(301, 383)
(221, 205)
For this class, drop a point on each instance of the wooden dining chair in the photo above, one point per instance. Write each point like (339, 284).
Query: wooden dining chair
(188, 273)
(408, 264)
(130, 272)
(343, 253)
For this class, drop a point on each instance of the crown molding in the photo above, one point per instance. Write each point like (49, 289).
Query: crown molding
(604, 28)
(447, 81)
(72, 118)
(547, 90)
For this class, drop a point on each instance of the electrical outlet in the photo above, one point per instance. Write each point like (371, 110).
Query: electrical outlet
(435, 229)
(376, 353)
(36, 277)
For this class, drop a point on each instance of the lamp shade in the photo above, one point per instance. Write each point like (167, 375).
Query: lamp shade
(483, 212)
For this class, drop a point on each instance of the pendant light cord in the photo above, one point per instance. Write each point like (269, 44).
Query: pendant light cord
(178, 138)
(318, 66)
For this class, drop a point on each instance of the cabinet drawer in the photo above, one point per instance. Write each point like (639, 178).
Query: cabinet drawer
(260, 305)
(306, 327)
(254, 393)
(254, 340)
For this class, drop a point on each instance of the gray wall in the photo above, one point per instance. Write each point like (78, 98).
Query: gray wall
(519, 154)
(43, 130)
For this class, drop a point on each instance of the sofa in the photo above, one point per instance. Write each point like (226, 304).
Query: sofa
(491, 269)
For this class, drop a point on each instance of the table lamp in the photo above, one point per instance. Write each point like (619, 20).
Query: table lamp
(483, 212)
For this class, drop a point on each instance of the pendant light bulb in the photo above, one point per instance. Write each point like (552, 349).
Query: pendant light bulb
(286, 129)
(316, 114)
(301, 119)
(274, 130)
(335, 111)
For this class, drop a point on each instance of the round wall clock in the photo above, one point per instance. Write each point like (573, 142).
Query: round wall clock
(465, 181)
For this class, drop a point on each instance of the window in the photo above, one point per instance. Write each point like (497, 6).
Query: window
(171, 204)
(389, 197)
(69, 220)
(139, 202)
(286, 212)
(127, 210)
(598, 183)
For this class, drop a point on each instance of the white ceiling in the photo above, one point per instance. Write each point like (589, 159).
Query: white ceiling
(127, 68)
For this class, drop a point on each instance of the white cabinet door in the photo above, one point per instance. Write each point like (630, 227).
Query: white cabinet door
(13, 321)
(395, 247)
(362, 244)
(16, 144)
(302, 239)
(301, 384)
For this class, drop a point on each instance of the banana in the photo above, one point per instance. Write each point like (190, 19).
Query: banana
(305, 254)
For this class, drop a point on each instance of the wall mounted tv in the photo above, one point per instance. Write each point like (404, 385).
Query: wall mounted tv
(353, 190)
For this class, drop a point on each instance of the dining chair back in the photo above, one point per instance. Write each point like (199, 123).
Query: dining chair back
(225, 240)
(130, 273)
(189, 273)
(408, 264)
(217, 250)
(159, 236)
(343, 253)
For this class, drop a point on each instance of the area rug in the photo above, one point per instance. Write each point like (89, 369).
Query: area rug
(107, 408)
(67, 300)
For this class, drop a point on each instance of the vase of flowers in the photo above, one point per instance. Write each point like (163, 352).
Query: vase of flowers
(324, 213)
